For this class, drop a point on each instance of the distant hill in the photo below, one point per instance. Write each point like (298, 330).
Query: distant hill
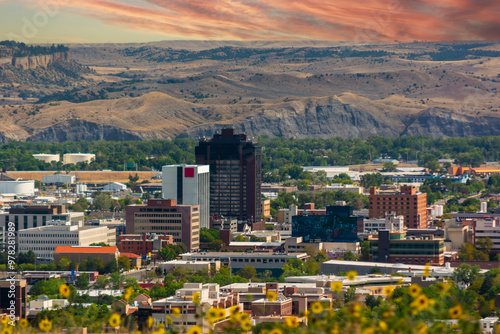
(290, 89)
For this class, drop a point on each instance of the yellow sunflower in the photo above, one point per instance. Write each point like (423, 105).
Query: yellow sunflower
(497, 330)
(128, 293)
(5, 320)
(420, 303)
(427, 270)
(244, 317)
(246, 325)
(368, 330)
(336, 286)
(168, 320)
(176, 312)
(23, 323)
(414, 290)
(388, 290)
(159, 331)
(212, 315)
(194, 330)
(292, 322)
(221, 313)
(316, 307)
(442, 288)
(455, 312)
(45, 325)
(64, 290)
(271, 295)
(234, 309)
(382, 325)
(275, 331)
(196, 298)
(351, 275)
(151, 321)
(115, 320)
(7, 330)
(422, 328)
(137, 332)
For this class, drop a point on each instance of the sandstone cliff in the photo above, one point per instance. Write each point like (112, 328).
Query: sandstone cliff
(33, 62)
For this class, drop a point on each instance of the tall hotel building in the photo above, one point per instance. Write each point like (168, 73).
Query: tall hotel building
(235, 174)
(188, 184)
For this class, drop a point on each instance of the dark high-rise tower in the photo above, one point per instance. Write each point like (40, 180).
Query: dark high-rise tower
(235, 174)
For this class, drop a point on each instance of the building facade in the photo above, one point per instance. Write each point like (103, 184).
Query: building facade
(78, 254)
(406, 202)
(235, 174)
(19, 304)
(338, 225)
(28, 216)
(143, 244)
(188, 184)
(390, 247)
(488, 228)
(43, 240)
(165, 216)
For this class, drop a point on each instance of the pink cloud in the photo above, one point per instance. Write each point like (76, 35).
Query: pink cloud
(305, 19)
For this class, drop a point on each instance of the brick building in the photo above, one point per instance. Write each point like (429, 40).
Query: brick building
(406, 202)
(144, 243)
(165, 216)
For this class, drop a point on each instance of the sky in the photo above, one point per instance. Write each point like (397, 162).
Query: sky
(122, 21)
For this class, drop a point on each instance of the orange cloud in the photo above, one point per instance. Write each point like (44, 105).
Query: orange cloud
(346, 20)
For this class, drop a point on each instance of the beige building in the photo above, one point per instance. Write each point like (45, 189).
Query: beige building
(455, 234)
(265, 208)
(212, 267)
(44, 240)
(210, 296)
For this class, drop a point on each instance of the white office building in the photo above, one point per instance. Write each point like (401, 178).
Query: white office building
(188, 185)
(44, 240)
(488, 228)
(391, 222)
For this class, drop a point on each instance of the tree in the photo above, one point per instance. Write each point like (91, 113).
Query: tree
(217, 245)
(389, 166)
(103, 202)
(350, 294)
(170, 252)
(101, 282)
(371, 180)
(111, 267)
(49, 287)
(82, 281)
(124, 263)
(484, 245)
(116, 280)
(247, 272)
(365, 250)
(132, 180)
(466, 274)
(349, 256)
(208, 234)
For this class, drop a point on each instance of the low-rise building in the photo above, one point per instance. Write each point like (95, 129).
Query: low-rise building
(209, 296)
(114, 187)
(26, 216)
(236, 260)
(143, 244)
(78, 254)
(58, 179)
(397, 248)
(168, 266)
(488, 228)
(43, 303)
(488, 325)
(43, 240)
